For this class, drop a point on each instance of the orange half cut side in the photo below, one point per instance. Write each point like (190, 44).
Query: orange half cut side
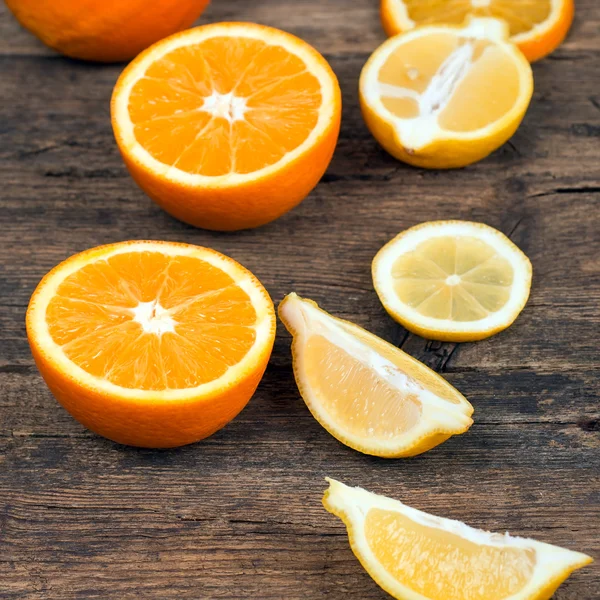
(228, 125)
(151, 343)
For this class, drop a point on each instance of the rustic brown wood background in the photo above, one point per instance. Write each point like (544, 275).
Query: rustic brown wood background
(239, 515)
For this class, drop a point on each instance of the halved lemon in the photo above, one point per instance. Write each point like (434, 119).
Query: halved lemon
(452, 280)
(227, 126)
(367, 393)
(537, 27)
(153, 344)
(445, 96)
(414, 555)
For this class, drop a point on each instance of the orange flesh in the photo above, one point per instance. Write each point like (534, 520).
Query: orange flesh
(224, 105)
(482, 279)
(354, 397)
(481, 95)
(520, 15)
(442, 565)
(197, 322)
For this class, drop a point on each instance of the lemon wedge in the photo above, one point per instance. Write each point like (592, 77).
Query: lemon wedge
(413, 555)
(365, 392)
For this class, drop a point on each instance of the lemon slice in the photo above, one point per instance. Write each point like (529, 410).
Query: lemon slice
(445, 96)
(367, 393)
(452, 280)
(413, 555)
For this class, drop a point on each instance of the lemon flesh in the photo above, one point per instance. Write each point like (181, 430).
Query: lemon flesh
(441, 565)
(456, 278)
(448, 77)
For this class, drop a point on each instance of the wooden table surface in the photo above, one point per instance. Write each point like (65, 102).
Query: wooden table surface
(239, 515)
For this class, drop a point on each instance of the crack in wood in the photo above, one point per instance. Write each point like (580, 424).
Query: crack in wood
(567, 190)
(18, 369)
(36, 151)
(334, 178)
(75, 173)
(591, 425)
(514, 228)
(315, 530)
(445, 360)
(511, 145)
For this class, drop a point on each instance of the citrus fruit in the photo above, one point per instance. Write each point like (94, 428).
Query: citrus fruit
(365, 392)
(153, 344)
(227, 126)
(414, 555)
(104, 30)
(537, 27)
(452, 280)
(445, 96)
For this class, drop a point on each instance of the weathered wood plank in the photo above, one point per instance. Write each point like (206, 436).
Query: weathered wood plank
(521, 397)
(201, 515)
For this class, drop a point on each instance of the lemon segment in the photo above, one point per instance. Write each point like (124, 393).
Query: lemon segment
(367, 393)
(452, 280)
(417, 556)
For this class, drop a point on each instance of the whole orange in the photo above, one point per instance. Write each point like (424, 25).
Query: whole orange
(104, 30)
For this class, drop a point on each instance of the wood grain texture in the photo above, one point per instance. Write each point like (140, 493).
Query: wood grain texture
(239, 515)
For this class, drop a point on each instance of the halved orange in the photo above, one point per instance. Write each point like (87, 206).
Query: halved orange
(153, 344)
(227, 126)
(537, 27)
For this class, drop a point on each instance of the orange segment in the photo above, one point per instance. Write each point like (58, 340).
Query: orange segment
(521, 16)
(536, 26)
(228, 125)
(151, 328)
(175, 307)
(444, 96)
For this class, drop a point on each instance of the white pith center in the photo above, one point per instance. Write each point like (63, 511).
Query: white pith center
(442, 85)
(453, 280)
(446, 80)
(153, 318)
(480, 3)
(227, 106)
(418, 132)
